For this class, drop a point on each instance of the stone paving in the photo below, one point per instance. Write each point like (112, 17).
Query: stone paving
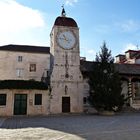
(71, 127)
(1, 121)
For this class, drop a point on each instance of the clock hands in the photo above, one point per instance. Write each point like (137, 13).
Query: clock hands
(65, 39)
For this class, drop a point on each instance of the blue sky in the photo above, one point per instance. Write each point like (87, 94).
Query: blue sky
(115, 21)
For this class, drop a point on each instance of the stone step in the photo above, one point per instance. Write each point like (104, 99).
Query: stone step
(131, 109)
(136, 106)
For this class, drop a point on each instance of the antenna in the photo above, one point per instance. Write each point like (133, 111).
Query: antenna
(137, 46)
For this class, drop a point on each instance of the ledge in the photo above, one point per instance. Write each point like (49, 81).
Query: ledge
(22, 84)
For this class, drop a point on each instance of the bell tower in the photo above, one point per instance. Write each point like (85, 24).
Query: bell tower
(66, 80)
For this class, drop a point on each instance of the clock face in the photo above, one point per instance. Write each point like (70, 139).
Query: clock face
(66, 39)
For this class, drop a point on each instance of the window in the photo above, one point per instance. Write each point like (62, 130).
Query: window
(2, 99)
(46, 74)
(84, 100)
(19, 72)
(38, 99)
(32, 68)
(19, 58)
(86, 86)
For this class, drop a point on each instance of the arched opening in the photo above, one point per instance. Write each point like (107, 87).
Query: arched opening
(136, 88)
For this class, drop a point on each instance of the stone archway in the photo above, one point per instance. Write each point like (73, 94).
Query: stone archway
(136, 88)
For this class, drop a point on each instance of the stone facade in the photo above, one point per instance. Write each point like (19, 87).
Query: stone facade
(131, 76)
(17, 65)
(9, 109)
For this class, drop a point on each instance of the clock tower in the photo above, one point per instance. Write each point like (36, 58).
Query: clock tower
(66, 81)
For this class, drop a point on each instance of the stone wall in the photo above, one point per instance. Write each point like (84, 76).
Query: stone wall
(9, 65)
(32, 109)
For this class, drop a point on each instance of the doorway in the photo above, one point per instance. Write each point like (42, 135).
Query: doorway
(65, 104)
(20, 104)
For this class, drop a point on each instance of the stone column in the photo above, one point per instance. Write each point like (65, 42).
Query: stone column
(130, 90)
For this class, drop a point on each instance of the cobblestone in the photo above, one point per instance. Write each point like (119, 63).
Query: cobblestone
(1, 121)
(71, 127)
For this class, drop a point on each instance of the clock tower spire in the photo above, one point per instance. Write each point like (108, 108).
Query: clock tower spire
(63, 13)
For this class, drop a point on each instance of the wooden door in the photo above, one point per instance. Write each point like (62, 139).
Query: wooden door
(65, 104)
(20, 104)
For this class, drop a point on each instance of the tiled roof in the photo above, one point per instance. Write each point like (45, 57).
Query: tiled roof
(65, 21)
(135, 51)
(25, 48)
(128, 69)
(86, 66)
(123, 69)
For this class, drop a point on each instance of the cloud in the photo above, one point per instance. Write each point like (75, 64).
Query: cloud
(129, 46)
(129, 26)
(123, 26)
(102, 29)
(70, 2)
(16, 17)
(20, 24)
(89, 53)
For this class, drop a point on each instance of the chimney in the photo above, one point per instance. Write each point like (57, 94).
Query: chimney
(120, 58)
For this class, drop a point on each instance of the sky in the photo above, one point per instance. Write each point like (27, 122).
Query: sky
(29, 22)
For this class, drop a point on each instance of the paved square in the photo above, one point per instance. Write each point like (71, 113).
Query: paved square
(71, 127)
